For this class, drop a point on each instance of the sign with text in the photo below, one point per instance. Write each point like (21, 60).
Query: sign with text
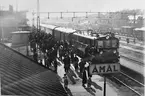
(104, 68)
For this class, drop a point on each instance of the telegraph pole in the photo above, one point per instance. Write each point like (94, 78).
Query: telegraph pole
(1, 23)
(38, 17)
(16, 5)
(134, 21)
(2, 38)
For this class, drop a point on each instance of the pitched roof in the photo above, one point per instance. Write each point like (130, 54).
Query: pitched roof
(23, 76)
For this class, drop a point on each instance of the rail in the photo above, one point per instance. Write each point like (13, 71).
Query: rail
(122, 77)
(132, 79)
(133, 60)
(136, 82)
(128, 86)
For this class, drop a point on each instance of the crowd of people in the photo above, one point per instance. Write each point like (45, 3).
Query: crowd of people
(50, 48)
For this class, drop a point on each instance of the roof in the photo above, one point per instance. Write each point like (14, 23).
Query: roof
(67, 30)
(140, 29)
(62, 29)
(20, 32)
(127, 27)
(86, 36)
(21, 75)
(48, 26)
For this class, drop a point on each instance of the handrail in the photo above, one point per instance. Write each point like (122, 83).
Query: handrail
(22, 55)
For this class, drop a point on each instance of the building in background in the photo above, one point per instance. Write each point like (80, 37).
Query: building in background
(11, 21)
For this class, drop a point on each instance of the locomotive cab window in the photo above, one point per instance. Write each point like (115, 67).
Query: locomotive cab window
(107, 44)
(100, 44)
(114, 43)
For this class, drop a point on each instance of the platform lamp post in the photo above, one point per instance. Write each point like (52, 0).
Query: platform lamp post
(38, 22)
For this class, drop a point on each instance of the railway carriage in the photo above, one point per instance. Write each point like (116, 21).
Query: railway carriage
(104, 48)
(82, 42)
(139, 33)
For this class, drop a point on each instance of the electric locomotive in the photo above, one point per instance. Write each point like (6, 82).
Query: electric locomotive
(101, 48)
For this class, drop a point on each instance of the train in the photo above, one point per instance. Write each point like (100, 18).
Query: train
(101, 48)
(130, 31)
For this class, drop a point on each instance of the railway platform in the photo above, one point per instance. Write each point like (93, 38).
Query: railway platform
(96, 89)
(112, 89)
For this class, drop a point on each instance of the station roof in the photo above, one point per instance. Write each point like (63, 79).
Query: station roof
(21, 75)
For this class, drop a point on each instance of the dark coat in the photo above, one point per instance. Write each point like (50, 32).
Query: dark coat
(82, 66)
(66, 61)
(84, 81)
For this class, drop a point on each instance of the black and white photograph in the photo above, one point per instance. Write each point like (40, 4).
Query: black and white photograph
(72, 47)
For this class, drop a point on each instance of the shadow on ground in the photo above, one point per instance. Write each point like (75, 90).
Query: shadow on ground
(69, 92)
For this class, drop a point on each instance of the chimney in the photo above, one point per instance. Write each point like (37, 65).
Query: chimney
(10, 8)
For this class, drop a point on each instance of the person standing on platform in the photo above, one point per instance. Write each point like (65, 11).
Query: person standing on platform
(55, 65)
(88, 69)
(82, 66)
(65, 82)
(66, 61)
(45, 60)
(72, 56)
(41, 62)
(60, 52)
(84, 77)
(35, 56)
(47, 63)
(89, 82)
(76, 60)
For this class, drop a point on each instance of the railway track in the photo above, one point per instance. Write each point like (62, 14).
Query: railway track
(122, 79)
(127, 79)
(140, 62)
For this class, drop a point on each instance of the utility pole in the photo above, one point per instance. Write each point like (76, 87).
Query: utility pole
(1, 24)
(16, 5)
(33, 21)
(2, 38)
(134, 21)
(38, 17)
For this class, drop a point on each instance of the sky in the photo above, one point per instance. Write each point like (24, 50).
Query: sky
(72, 5)
(75, 5)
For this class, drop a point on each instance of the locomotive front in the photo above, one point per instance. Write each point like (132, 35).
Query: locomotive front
(106, 49)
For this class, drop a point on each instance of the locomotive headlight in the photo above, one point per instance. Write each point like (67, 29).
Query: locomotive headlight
(114, 51)
(107, 37)
(101, 52)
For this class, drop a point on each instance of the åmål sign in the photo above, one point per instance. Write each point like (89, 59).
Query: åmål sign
(104, 68)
